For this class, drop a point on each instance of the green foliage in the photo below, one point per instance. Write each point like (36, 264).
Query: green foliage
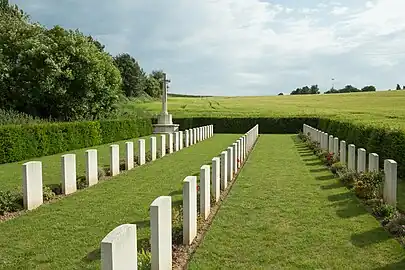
(335, 167)
(314, 89)
(133, 76)
(153, 87)
(369, 185)
(48, 194)
(14, 117)
(54, 73)
(144, 260)
(349, 178)
(268, 125)
(10, 201)
(384, 210)
(387, 143)
(20, 142)
(398, 87)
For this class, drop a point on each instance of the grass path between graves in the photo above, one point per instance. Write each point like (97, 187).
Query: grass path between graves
(67, 234)
(11, 173)
(287, 211)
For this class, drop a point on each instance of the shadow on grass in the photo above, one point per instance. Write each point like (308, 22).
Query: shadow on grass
(307, 155)
(310, 159)
(351, 210)
(397, 265)
(319, 170)
(340, 197)
(94, 255)
(325, 177)
(332, 186)
(316, 163)
(374, 236)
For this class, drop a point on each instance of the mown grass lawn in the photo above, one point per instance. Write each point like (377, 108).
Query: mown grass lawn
(287, 211)
(11, 173)
(67, 234)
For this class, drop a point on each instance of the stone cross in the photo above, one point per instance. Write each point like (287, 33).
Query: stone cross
(164, 95)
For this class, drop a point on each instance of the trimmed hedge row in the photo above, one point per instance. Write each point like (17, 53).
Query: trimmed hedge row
(21, 142)
(386, 142)
(287, 125)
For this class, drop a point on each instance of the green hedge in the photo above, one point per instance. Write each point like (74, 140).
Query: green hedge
(386, 142)
(21, 142)
(288, 125)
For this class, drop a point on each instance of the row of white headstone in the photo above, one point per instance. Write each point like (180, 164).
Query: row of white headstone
(119, 247)
(32, 170)
(348, 157)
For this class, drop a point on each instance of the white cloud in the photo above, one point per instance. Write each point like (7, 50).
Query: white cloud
(234, 47)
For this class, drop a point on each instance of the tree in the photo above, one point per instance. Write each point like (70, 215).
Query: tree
(133, 76)
(280, 94)
(369, 88)
(398, 87)
(314, 89)
(100, 46)
(54, 73)
(153, 88)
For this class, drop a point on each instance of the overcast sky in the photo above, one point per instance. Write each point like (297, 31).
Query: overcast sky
(245, 47)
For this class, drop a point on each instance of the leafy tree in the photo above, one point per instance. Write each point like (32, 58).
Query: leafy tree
(314, 89)
(398, 87)
(158, 75)
(100, 46)
(369, 88)
(133, 76)
(153, 88)
(280, 94)
(54, 73)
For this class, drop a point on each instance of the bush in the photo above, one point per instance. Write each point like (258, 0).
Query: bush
(48, 194)
(21, 142)
(144, 260)
(386, 142)
(268, 125)
(10, 201)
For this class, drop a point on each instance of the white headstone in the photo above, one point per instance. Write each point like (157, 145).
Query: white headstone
(191, 135)
(129, 156)
(153, 147)
(361, 160)
(119, 249)
(351, 157)
(170, 142)
(195, 135)
(336, 146)
(216, 184)
(141, 152)
(91, 167)
(373, 162)
(205, 194)
(390, 182)
(176, 141)
(235, 158)
(161, 232)
(224, 170)
(342, 153)
(69, 174)
(230, 160)
(330, 144)
(114, 159)
(32, 185)
(238, 153)
(187, 138)
(189, 209)
(162, 145)
(181, 140)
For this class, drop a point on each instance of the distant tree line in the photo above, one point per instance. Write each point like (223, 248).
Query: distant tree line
(351, 89)
(312, 90)
(64, 74)
(399, 87)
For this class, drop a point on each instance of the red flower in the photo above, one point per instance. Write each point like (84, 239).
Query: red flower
(198, 188)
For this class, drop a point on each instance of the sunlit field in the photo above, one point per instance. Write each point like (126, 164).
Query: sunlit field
(379, 108)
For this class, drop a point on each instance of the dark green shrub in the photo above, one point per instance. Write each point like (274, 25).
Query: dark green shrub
(267, 125)
(10, 201)
(21, 142)
(81, 182)
(48, 194)
(335, 167)
(349, 178)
